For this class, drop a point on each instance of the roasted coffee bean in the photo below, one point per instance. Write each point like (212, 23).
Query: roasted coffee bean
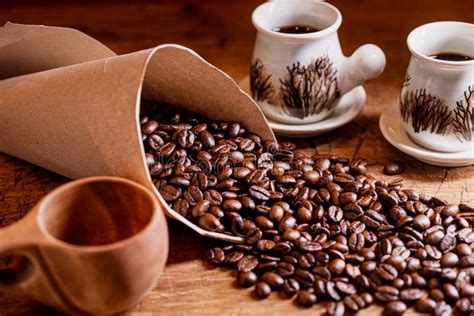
(393, 169)
(386, 293)
(290, 287)
(149, 127)
(336, 309)
(215, 255)
(425, 305)
(354, 303)
(259, 193)
(395, 308)
(246, 279)
(337, 266)
(411, 294)
(170, 193)
(274, 280)
(262, 290)
(387, 272)
(209, 222)
(465, 305)
(200, 208)
(442, 309)
(305, 299)
(247, 263)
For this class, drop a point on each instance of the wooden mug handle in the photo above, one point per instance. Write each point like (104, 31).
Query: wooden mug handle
(20, 241)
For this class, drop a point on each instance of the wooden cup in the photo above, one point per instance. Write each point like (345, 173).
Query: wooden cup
(95, 245)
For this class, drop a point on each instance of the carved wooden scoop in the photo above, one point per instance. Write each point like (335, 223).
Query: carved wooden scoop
(94, 245)
(72, 107)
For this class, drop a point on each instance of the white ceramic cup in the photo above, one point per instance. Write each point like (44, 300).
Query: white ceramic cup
(437, 98)
(298, 78)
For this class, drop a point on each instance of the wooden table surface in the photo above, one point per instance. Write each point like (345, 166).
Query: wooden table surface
(222, 33)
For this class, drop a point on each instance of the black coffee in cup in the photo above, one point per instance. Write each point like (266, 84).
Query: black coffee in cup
(295, 29)
(451, 57)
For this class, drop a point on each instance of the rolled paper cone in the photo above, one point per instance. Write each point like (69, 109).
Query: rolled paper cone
(82, 119)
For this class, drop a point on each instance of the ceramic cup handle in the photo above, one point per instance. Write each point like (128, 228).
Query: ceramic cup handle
(20, 239)
(367, 62)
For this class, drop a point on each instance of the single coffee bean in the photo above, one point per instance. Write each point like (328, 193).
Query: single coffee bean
(246, 279)
(393, 169)
(425, 305)
(305, 299)
(200, 208)
(386, 293)
(336, 309)
(274, 280)
(208, 222)
(262, 290)
(259, 193)
(421, 222)
(247, 263)
(215, 255)
(411, 294)
(170, 193)
(395, 308)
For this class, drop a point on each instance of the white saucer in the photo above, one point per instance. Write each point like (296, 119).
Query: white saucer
(390, 124)
(348, 107)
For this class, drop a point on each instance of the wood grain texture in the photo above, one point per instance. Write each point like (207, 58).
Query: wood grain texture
(222, 33)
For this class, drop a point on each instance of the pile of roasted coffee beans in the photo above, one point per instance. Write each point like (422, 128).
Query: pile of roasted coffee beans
(318, 228)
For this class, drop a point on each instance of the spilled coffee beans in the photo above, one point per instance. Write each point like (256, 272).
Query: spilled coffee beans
(315, 228)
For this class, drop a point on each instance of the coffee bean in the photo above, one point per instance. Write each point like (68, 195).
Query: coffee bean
(387, 272)
(425, 305)
(209, 222)
(442, 309)
(200, 208)
(336, 309)
(395, 308)
(290, 287)
(170, 193)
(393, 169)
(305, 299)
(215, 255)
(421, 222)
(331, 291)
(262, 290)
(411, 294)
(386, 293)
(246, 279)
(247, 263)
(463, 250)
(259, 193)
(337, 266)
(149, 127)
(274, 280)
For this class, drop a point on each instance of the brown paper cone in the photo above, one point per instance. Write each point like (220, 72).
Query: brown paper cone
(81, 118)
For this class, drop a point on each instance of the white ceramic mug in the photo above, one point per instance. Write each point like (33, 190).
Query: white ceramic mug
(298, 78)
(437, 98)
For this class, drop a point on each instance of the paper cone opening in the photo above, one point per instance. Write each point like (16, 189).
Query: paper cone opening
(82, 119)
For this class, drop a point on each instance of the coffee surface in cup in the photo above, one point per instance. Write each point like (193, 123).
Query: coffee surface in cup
(295, 29)
(451, 57)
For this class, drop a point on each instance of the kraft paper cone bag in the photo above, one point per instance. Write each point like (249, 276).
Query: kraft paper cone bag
(71, 105)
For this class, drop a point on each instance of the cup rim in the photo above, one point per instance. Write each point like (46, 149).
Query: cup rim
(41, 208)
(428, 59)
(328, 30)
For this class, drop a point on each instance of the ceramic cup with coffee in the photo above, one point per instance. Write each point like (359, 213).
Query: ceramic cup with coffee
(298, 71)
(437, 98)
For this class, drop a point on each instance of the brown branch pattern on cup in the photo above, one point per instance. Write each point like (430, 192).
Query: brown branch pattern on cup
(308, 90)
(427, 112)
(463, 116)
(261, 87)
(406, 81)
